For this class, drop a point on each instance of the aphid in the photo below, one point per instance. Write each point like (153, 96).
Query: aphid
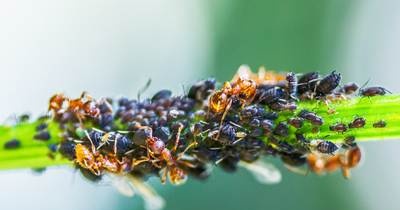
(42, 135)
(312, 117)
(23, 118)
(279, 106)
(282, 129)
(358, 122)
(161, 95)
(162, 133)
(373, 91)
(349, 141)
(41, 126)
(267, 125)
(291, 78)
(296, 122)
(228, 134)
(300, 138)
(328, 84)
(12, 144)
(349, 88)
(53, 147)
(325, 147)
(67, 149)
(307, 82)
(201, 90)
(379, 124)
(338, 127)
(141, 135)
(270, 95)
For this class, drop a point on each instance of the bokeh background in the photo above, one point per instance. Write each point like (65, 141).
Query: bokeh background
(111, 48)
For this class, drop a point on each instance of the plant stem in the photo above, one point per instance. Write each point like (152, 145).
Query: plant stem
(36, 154)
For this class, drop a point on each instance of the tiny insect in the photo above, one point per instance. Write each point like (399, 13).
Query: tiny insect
(325, 147)
(269, 95)
(279, 106)
(358, 122)
(86, 159)
(291, 79)
(349, 88)
(349, 141)
(312, 117)
(41, 126)
(328, 84)
(338, 127)
(201, 90)
(67, 149)
(12, 144)
(296, 122)
(379, 124)
(307, 82)
(42, 135)
(56, 102)
(84, 106)
(350, 159)
(373, 91)
(282, 129)
(267, 125)
(301, 138)
(161, 95)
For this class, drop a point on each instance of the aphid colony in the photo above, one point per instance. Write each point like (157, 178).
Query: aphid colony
(253, 115)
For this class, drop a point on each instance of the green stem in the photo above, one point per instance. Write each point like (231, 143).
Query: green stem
(36, 154)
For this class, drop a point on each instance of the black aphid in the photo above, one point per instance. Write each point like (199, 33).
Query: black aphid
(307, 82)
(338, 127)
(379, 124)
(201, 90)
(282, 129)
(326, 147)
(296, 122)
(373, 91)
(358, 122)
(12, 144)
(328, 84)
(291, 79)
(349, 88)
(42, 135)
(161, 95)
(312, 117)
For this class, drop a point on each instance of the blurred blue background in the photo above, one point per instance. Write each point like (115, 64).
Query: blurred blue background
(111, 48)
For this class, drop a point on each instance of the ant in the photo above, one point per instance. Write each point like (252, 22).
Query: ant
(221, 101)
(81, 107)
(158, 152)
(96, 162)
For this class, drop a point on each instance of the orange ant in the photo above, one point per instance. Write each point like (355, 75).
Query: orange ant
(221, 101)
(57, 102)
(82, 107)
(158, 152)
(346, 160)
(92, 160)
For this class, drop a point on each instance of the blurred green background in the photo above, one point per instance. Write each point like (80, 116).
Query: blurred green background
(112, 48)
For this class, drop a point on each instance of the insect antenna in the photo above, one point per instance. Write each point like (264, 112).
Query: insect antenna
(144, 88)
